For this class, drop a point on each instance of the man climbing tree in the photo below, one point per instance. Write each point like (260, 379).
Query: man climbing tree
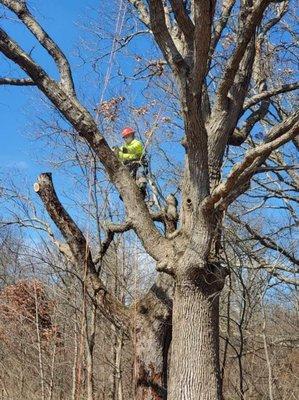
(188, 253)
(132, 151)
(132, 155)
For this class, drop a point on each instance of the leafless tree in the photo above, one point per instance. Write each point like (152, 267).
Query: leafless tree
(189, 253)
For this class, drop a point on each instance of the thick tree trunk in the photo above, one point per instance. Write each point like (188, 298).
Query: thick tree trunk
(150, 365)
(152, 336)
(194, 368)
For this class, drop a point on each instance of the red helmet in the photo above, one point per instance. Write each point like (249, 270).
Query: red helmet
(127, 132)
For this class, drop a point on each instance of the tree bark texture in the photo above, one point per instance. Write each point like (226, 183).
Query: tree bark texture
(194, 367)
(152, 336)
(186, 253)
(150, 365)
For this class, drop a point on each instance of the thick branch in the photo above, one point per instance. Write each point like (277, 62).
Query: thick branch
(237, 96)
(203, 17)
(163, 36)
(169, 217)
(79, 247)
(70, 231)
(157, 246)
(183, 20)
(111, 229)
(143, 12)
(220, 26)
(241, 173)
(238, 136)
(21, 10)
(252, 64)
(281, 11)
(244, 37)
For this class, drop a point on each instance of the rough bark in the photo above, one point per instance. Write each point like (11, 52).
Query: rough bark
(186, 253)
(194, 369)
(148, 322)
(152, 334)
(150, 374)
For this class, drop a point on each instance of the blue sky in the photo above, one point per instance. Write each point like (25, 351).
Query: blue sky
(21, 155)
(16, 104)
(20, 107)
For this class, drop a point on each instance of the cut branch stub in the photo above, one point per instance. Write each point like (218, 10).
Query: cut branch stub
(113, 309)
(171, 214)
(72, 234)
(36, 187)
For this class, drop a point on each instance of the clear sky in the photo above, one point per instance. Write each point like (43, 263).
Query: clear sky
(20, 107)
(59, 17)
(22, 156)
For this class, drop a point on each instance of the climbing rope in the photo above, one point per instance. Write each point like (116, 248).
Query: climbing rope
(118, 28)
(150, 179)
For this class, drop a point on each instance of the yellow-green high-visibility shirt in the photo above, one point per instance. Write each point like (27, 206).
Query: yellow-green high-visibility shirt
(134, 151)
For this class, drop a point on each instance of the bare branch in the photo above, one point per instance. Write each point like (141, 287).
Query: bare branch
(275, 270)
(257, 71)
(283, 278)
(241, 173)
(80, 249)
(163, 36)
(183, 20)
(142, 11)
(220, 26)
(203, 19)
(237, 96)
(281, 11)
(240, 135)
(243, 39)
(265, 241)
(21, 10)
(270, 93)
(111, 229)
(17, 81)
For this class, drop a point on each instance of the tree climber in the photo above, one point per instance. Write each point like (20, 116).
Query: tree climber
(132, 155)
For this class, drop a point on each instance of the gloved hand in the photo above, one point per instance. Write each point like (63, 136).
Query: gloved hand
(116, 150)
(124, 150)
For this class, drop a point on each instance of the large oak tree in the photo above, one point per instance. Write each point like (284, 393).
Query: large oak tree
(182, 307)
